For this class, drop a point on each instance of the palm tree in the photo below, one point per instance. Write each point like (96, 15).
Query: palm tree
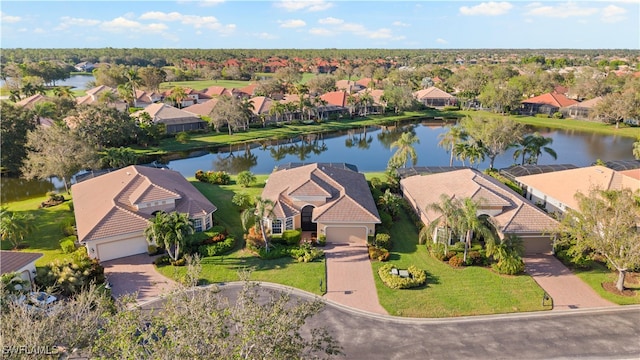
(449, 209)
(14, 226)
(449, 139)
(107, 97)
(277, 109)
(636, 149)
(405, 150)
(470, 224)
(63, 92)
(28, 89)
(257, 216)
(39, 89)
(366, 100)
(171, 230)
(177, 95)
(127, 94)
(134, 82)
(472, 151)
(118, 157)
(508, 253)
(43, 110)
(14, 95)
(534, 144)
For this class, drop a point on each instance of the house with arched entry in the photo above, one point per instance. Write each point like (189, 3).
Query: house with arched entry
(331, 199)
(506, 210)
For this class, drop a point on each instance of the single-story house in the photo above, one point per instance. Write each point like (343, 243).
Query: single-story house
(434, 97)
(146, 98)
(581, 110)
(326, 198)
(113, 210)
(24, 263)
(31, 101)
(203, 108)
(85, 66)
(176, 120)
(555, 191)
(506, 210)
(98, 95)
(349, 86)
(548, 103)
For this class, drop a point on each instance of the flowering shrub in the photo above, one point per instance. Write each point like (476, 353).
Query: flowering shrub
(417, 277)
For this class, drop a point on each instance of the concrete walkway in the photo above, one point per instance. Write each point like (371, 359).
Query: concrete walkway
(350, 279)
(566, 289)
(136, 273)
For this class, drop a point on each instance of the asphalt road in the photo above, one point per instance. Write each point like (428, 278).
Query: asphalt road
(606, 333)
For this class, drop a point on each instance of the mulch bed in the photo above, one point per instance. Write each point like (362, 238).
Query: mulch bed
(630, 279)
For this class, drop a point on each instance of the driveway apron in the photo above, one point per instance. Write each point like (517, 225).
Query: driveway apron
(136, 273)
(350, 277)
(566, 289)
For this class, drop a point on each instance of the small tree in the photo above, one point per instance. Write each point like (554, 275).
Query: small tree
(14, 227)
(171, 230)
(246, 178)
(257, 216)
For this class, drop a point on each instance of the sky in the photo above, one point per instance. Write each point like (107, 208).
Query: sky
(320, 24)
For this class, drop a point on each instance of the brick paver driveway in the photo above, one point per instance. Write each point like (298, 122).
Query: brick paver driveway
(566, 289)
(350, 277)
(136, 274)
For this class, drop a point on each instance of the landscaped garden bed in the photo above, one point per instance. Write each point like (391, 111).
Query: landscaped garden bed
(402, 279)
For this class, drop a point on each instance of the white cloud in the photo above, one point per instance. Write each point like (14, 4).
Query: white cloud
(39, 31)
(563, 10)
(612, 13)
(206, 3)
(122, 25)
(441, 41)
(9, 19)
(400, 24)
(489, 8)
(66, 22)
(266, 36)
(308, 5)
(330, 21)
(292, 23)
(380, 34)
(320, 32)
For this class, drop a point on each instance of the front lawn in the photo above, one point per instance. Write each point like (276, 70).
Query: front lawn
(48, 232)
(599, 274)
(450, 291)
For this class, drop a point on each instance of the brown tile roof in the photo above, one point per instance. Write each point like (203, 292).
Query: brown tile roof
(261, 105)
(11, 261)
(345, 194)
(432, 93)
(105, 206)
(517, 215)
(31, 101)
(563, 185)
(203, 108)
(167, 114)
(215, 90)
(588, 104)
(552, 98)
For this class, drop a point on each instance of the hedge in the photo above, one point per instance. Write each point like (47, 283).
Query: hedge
(417, 277)
(218, 248)
(292, 237)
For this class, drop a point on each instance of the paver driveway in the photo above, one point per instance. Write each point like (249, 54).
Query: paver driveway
(350, 277)
(566, 289)
(136, 274)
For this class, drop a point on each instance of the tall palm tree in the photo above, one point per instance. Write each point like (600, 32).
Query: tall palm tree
(257, 216)
(449, 139)
(405, 150)
(14, 227)
(126, 93)
(14, 95)
(107, 97)
(39, 89)
(178, 94)
(28, 89)
(63, 92)
(171, 230)
(366, 100)
(449, 209)
(470, 224)
(134, 81)
(469, 150)
(537, 144)
(277, 109)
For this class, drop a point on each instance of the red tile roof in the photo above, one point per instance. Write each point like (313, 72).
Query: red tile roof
(338, 98)
(552, 98)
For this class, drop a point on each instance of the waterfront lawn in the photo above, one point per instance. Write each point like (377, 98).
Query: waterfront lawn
(450, 291)
(48, 232)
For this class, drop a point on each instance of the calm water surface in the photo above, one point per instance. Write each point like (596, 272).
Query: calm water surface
(78, 82)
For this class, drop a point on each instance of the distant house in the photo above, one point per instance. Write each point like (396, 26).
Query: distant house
(112, 210)
(261, 107)
(203, 108)
(21, 262)
(505, 209)
(349, 86)
(555, 191)
(377, 106)
(548, 103)
(84, 66)
(175, 120)
(103, 95)
(30, 101)
(580, 110)
(192, 97)
(146, 98)
(434, 97)
(326, 198)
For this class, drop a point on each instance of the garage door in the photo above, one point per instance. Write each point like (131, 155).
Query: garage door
(121, 248)
(351, 235)
(537, 245)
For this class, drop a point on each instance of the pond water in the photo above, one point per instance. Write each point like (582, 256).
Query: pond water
(77, 82)
(367, 148)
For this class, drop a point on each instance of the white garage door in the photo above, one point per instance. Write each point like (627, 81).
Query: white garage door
(121, 248)
(351, 235)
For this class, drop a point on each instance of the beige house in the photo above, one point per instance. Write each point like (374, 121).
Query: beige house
(97, 95)
(23, 263)
(175, 120)
(506, 210)
(434, 97)
(556, 191)
(325, 198)
(112, 210)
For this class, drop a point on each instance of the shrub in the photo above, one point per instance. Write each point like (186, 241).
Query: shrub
(417, 277)
(217, 248)
(437, 251)
(376, 182)
(509, 265)
(456, 261)
(162, 260)
(70, 275)
(292, 237)
(213, 177)
(474, 258)
(68, 244)
(306, 253)
(219, 229)
(179, 262)
(242, 200)
(70, 205)
(380, 254)
(557, 115)
(450, 108)
(253, 239)
(322, 240)
(152, 249)
(383, 240)
(67, 227)
(245, 178)
(275, 252)
(183, 137)
(542, 116)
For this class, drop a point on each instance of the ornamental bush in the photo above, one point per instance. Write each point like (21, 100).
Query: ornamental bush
(417, 277)
(457, 260)
(70, 275)
(213, 177)
(217, 248)
(384, 241)
(377, 253)
(306, 253)
(68, 244)
(292, 237)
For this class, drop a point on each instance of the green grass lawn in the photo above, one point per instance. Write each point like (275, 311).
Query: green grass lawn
(450, 291)
(203, 84)
(599, 274)
(48, 232)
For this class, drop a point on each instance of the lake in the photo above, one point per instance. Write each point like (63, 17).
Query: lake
(367, 148)
(77, 82)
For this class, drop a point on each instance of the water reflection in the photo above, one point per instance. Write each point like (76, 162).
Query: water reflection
(234, 163)
(19, 189)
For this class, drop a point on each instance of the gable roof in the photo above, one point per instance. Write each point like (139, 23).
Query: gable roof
(203, 108)
(31, 100)
(11, 261)
(587, 104)
(517, 215)
(261, 104)
(432, 93)
(168, 114)
(338, 98)
(345, 193)
(563, 185)
(105, 206)
(552, 98)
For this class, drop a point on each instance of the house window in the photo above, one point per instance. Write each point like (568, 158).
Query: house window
(197, 225)
(207, 222)
(276, 226)
(289, 224)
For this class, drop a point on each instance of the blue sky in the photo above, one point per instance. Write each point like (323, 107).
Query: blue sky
(321, 24)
